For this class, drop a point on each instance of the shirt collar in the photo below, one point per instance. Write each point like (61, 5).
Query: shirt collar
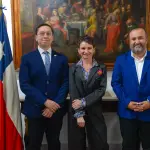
(139, 59)
(42, 50)
(80, 63)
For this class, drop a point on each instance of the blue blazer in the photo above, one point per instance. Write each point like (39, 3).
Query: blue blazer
(127, 88)
(38, 86)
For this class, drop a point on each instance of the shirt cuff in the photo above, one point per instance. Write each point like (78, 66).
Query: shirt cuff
(79, 114)
(83, 103)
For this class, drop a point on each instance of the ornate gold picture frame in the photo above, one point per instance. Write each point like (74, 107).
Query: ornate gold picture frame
(76, 18)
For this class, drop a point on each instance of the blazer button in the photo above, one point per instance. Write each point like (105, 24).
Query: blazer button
(45, 93)
(47, 82)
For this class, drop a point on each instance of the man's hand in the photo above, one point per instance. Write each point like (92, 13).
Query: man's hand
(81, 122)
(51, 105)
(47, 113)
(144, 105)
(133, 106)
(139, 106)
(76, 104)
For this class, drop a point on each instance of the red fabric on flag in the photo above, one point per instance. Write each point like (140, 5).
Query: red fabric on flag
(2, 118)
(10, 139)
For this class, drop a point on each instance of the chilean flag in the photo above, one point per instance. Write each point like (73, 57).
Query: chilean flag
(10, 116)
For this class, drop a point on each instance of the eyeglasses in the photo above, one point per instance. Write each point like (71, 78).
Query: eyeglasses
(43, 33)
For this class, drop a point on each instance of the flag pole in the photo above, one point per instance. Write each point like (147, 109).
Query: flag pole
(0, 6)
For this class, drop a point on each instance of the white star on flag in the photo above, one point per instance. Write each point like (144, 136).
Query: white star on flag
(1, 50)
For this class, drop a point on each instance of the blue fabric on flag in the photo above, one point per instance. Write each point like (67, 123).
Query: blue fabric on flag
(3, 8)
(5, 50)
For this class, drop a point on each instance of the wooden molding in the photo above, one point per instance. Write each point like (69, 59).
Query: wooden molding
(16, 27)
(148, 22)
(0, 5)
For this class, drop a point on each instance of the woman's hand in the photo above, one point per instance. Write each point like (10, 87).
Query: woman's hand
(76, 104)
(81, 122)
(47, 113)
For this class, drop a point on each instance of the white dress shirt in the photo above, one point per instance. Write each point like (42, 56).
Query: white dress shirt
(43, 55)
(139, 65)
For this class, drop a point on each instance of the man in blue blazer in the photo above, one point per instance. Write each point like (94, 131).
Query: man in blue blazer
(44, 80)
(131, 84)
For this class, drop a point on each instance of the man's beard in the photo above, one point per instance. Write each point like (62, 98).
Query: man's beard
(137, 49)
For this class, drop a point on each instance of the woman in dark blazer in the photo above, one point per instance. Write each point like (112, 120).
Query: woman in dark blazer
(88, 80)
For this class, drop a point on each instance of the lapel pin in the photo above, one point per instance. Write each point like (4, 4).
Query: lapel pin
(99, 72)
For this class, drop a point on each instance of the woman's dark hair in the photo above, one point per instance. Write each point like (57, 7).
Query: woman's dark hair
(86, 39)
(41, 25)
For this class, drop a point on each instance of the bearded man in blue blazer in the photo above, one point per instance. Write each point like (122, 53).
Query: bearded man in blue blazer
(44, 80)
(131, 83)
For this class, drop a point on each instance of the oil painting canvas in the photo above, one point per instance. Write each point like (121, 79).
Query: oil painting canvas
(107, 21)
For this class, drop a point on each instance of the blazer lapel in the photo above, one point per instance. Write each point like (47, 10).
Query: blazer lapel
(53, 62)
(146, 65)
(39, 61)
(79, 72)
(92, 72)
(132, 67)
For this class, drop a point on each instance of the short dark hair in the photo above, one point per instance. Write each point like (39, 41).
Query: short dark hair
(136, 28)
(86, 39)
(41, 25)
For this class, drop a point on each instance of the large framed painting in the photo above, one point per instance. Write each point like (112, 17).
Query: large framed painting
(107, 21)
